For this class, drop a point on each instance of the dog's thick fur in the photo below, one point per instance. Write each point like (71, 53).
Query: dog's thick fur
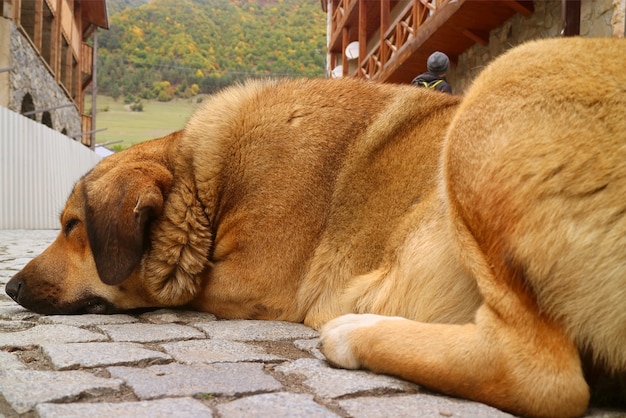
(306, 200)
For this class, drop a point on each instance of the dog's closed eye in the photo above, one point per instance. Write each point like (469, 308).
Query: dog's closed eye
(69, 226)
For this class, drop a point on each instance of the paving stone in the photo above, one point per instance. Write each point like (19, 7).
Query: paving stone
(12, 265)
(150, 332)
(10, 326)
(5, 300)
(88, 319)
(162, 408)
(5, 274)
(9, 361)
(276, 405)
(52, 334)
(328, 382)
(24, 389)
(194, 371)
(231, 379)
(14, 312)
(429, 406)
(73, 355)
(216, 351)
(247, 330)
(311, 347)
(168, 316)
(604, 413)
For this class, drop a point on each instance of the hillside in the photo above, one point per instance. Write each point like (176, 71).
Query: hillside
(166, 48)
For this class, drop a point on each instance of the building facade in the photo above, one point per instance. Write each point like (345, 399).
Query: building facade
(46, 61)
(390, 40)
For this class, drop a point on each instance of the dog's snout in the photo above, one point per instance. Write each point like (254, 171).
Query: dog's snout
(13, 288)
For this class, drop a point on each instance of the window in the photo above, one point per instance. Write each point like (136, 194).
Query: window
(27, 18)
(28, 106)
(47, 34)
(46, 119)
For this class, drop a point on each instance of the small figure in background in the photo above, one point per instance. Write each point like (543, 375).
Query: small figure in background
(435, 78)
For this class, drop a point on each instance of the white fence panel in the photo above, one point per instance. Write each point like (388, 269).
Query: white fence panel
(38, 168)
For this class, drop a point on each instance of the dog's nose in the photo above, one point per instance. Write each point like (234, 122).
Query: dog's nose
(13, 288)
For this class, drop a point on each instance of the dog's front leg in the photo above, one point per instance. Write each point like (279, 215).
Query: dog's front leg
(532, 375)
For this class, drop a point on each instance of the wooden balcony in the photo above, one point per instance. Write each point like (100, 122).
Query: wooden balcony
(396, 36)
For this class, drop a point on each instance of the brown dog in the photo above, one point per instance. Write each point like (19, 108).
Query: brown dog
(534, 185)
(305, 200)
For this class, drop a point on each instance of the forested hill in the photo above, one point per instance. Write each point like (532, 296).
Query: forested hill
(166, 48)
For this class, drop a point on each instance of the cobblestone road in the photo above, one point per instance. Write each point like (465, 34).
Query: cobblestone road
(169, 363)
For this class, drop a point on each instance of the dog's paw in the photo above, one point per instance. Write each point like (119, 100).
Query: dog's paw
(339, 338)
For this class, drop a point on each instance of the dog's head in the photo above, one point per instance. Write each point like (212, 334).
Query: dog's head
(93, 266)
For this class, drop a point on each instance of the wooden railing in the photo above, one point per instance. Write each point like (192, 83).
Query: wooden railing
(339, 13)
(400, 31)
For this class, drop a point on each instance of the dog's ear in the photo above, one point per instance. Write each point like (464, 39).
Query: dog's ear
(119, 209)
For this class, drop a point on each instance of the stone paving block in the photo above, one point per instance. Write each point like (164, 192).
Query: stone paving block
(248, 330)
(88, 319)
(14, 312)
(23, 389)
(20, 235)
(27, 241)
(311, 347)
(144, 333)
(52, 334)
(12, 265)
(9, 361)
(604, 413)
(231, 379)
(10, 326)
(429, 406)
(168, 316)
(216, 351)
(275, 405)
(5, 274)
(162, 408)
(328, 382)
(5, 300)
(73, 355)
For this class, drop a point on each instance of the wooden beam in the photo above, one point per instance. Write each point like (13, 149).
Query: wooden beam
(571, 17)
(479, 38)
(94, 87)
(55, 53)
(385, 10)
(344, 44)
(524, 8)
(17, 11)
(362, 35)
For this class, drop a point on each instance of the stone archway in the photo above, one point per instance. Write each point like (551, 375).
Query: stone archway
(46, 119)
(28, 106)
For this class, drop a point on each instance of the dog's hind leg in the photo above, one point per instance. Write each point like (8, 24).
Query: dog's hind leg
(535, 372)
(531, 375)
(511, 357)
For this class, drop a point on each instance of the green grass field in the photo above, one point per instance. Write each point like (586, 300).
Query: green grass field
(156, 120)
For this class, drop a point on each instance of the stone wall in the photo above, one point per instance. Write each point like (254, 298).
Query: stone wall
(618, 21)
(599, 18)
(30, 75)
(5, 60)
